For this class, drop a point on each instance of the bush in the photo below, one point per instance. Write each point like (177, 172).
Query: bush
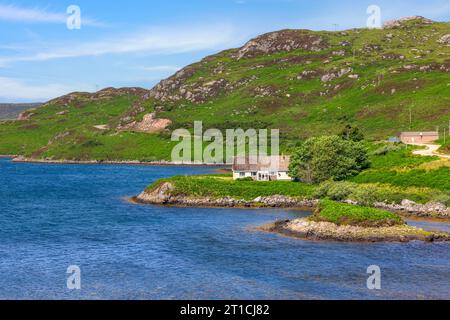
(345, 214)
(387, 149)
(352, 133)
(368, 194)
(245, 179)
(325, 158)
(335, 191)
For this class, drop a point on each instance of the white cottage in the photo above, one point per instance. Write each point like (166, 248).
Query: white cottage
(262, 168)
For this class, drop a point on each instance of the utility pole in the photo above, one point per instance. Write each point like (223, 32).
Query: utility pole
(335, 26)
(410, 118)
(449, 127)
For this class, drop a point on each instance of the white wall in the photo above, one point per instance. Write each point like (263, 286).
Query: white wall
(283, 176)
(236, 175)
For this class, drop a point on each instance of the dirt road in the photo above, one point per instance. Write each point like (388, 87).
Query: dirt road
(430, 151)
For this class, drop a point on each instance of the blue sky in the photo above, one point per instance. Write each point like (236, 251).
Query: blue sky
(139, 42)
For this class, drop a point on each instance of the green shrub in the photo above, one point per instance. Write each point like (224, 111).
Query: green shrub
(337, 191)
(345, 214)
(384, 150)
(324, 158)
(245, 179)
(368, 193)
(365, 195)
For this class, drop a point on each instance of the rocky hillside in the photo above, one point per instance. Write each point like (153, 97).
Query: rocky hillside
(308, 82)
(302, 82)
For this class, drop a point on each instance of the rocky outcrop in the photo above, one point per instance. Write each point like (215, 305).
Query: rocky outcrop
(399, 23)
(285, 40)
(25, 116)
(445, 40)
(410, 208)
(326, 231)
(104, 94)
(149, 124)
(176, 89)
(160, 195)
(336, 74)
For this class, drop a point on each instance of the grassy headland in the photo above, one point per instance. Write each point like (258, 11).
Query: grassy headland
(334, 221)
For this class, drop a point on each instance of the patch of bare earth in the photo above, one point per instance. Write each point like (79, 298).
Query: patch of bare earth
(149, 124)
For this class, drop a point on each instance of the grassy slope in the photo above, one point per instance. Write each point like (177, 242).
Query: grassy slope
(379, 101)
(74, 137)
(401, 169)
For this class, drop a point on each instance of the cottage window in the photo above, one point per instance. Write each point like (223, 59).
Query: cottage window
(241, 174)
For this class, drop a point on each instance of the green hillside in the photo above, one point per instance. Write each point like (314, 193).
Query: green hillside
(303, 82)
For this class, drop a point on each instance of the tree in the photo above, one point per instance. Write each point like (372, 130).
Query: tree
(352, 133)
(329, 157)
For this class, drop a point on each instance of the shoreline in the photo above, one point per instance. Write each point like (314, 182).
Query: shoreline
(306, 230)
(162, 195)
(301, 205)
(304, 206)
(20, 159)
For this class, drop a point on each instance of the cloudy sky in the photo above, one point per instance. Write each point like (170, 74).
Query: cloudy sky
(139, 42)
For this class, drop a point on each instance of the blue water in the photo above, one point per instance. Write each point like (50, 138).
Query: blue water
(54, 216)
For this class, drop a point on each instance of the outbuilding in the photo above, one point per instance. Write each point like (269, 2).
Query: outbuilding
(419, 137)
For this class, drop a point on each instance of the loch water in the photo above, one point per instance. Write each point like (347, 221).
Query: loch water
(56, 216)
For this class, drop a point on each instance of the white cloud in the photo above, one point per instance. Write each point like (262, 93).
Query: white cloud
(150, 41)
(436, 10)
(36, 15)
(161, 68)
(19, 90)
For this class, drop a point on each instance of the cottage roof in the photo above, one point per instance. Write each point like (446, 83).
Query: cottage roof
(423, 133)
(261, 163)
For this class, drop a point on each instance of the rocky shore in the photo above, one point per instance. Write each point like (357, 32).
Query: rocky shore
(326, 231)
(411, 209)
(21, 159)
(162, 195)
